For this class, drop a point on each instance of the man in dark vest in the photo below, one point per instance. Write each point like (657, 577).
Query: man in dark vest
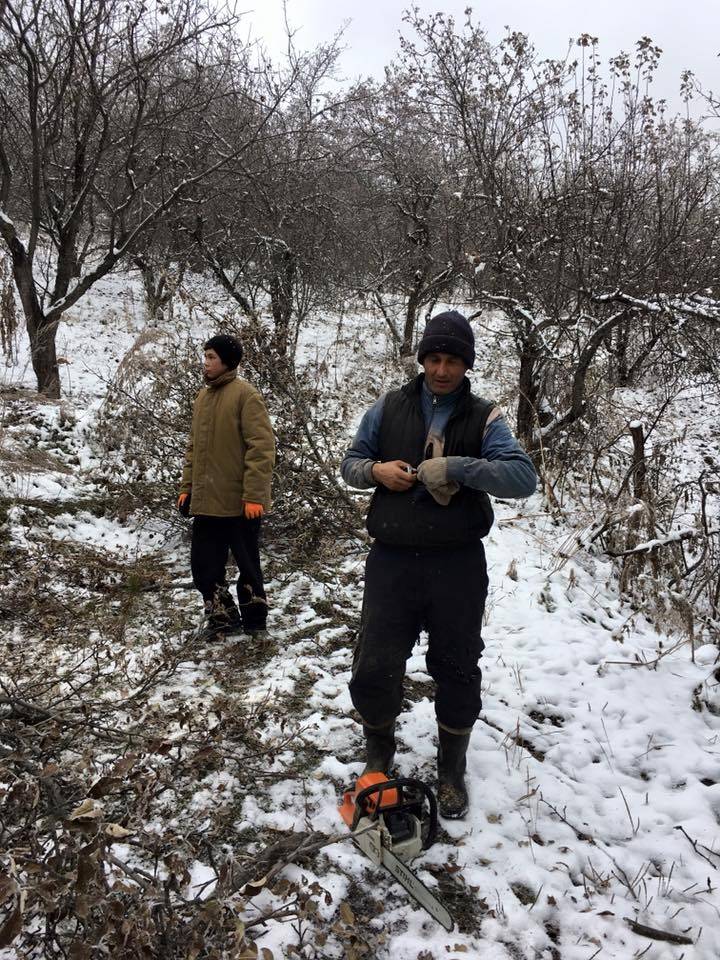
(434, 453)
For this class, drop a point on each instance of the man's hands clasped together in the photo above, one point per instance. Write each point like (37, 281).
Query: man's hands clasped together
(398, 475)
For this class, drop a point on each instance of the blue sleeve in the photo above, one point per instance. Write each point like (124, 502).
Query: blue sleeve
(365, 450)
(503, 470)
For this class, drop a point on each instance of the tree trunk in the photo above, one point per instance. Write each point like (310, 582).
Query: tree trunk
(44, 357)
(282, 286)
(529, 390)
(406, 347)
(634, 562)
(40, 333)
(622, 334)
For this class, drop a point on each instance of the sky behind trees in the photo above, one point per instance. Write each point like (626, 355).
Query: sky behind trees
(688, 32)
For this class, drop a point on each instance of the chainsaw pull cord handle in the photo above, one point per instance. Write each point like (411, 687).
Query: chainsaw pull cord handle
(398, 784)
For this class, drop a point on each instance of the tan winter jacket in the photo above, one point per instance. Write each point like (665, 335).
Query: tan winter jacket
(231, 451)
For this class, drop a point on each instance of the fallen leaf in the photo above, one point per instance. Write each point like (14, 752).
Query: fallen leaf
(346, 913)
(124, 765)
(82, 906)
(103, 786)
(116, 831)
(253, 887)
(8, 887)
(88, 810)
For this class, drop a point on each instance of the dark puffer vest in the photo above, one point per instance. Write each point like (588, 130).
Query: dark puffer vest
(413, 518)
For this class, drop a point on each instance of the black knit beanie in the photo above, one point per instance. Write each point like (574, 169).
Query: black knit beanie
(448, 332)
(229, 349)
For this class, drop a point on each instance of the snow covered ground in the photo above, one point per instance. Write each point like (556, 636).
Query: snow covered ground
(594, 772)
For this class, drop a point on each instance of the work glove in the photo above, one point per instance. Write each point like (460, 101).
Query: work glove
(183, 504)
(434, 474)
(252, 511)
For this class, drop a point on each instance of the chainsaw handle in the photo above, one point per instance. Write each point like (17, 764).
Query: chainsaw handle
(398, 784)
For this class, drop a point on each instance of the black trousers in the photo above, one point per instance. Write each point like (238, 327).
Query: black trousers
(441, 590)
(213, 538)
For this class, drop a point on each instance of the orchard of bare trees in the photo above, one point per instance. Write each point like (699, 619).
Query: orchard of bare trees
(560, 193)
(559, 197)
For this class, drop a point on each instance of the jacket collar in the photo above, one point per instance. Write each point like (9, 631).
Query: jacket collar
(220, 381)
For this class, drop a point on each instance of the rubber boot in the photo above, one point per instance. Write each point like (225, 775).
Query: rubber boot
(452, 793)
(379, 749)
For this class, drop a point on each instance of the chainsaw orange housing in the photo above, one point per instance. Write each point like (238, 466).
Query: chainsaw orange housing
(389, 798)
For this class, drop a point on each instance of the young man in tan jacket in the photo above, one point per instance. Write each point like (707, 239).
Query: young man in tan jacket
(226, 489)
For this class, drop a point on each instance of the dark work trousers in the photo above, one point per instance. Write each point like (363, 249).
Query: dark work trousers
(441, 590)
(213, 538)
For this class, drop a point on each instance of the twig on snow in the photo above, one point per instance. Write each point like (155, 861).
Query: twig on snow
(696, 845)
(141, 877)
(655, 934)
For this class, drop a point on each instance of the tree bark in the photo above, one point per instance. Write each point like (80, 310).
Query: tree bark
(41, 333)
(406, 347)
(282, 287)
(529, 390)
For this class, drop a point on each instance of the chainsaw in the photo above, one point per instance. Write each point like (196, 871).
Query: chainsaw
(392, 821)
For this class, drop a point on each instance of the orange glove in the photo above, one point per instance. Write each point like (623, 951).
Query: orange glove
(252, 511)
(183, 504)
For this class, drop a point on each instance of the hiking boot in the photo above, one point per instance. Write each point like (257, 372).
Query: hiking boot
(212, 627)
(226, 614)
(253, 610)
(451, 761)
(221, 617)
(379, 749)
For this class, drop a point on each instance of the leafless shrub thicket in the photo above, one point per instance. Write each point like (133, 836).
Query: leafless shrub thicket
(102, 765)
(145, 418)
(638, 498)
(312, 508)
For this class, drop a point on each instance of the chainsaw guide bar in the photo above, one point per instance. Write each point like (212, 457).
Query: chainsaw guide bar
(392, 821)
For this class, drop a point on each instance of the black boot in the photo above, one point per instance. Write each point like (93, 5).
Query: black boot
(221, 617)
(379, 748)
(253, 611)
(452, 793)
(226, 613)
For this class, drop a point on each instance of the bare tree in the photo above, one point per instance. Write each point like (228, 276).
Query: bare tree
(408, 212)
(591, 207)
(102, 132)
(268, 228)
